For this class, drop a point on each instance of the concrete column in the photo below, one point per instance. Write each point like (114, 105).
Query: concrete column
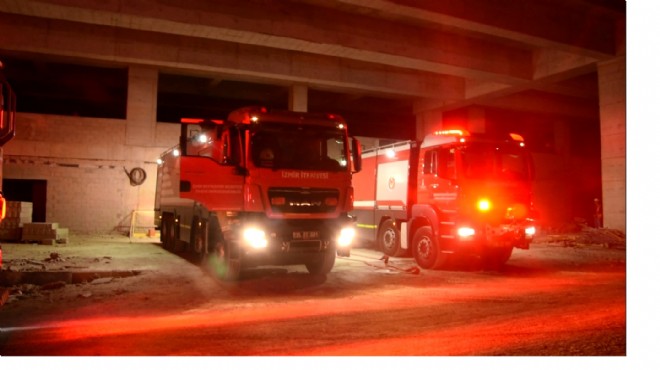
(298, 98)
(564, 184)
(476, 120)
(141, 106)
(612, 96)
(427, 122)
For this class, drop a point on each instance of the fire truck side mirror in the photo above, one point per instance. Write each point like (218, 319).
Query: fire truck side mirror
(356, 149)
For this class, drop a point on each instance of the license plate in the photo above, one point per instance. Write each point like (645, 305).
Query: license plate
(306, 235)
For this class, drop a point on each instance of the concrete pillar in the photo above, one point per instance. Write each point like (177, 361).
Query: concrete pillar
(476, 120)
(298, 98)
(141, 132)
(564, 183)
(612, 96)
(427, 122)
(141, 106)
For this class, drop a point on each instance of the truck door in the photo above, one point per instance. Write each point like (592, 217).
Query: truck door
(213, 177)
(439, 179)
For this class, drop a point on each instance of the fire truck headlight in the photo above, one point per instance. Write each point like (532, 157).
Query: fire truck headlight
(202, 138)
(465, 232)
(255, 238)
(530, 231)
(346, 236)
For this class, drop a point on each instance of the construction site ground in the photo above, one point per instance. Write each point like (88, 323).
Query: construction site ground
(86, 266)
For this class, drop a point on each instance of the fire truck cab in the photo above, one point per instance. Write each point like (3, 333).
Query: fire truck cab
(454, 192)
(262, 188)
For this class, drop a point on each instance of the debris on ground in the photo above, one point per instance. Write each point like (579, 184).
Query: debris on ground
(4, 296)
(587, 237)
(387, 265)
(54, 285)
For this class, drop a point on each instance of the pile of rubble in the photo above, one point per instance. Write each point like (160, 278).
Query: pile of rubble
(587, 237)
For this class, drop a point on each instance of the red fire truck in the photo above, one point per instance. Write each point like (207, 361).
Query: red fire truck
(7, 130)
(262, 188)
(454, 192)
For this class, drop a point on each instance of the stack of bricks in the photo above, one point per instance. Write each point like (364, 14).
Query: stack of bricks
(45, 233)
(18, 214)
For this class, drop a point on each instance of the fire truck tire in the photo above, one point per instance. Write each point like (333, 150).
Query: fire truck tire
(323, 264)
(221, 262)
(169, 238)
(199, 238)
(426, 250)
(389, 239)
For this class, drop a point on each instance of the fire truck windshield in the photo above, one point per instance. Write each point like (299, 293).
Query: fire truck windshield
(495, 161)
(286, 146)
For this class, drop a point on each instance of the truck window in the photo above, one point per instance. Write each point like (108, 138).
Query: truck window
(490, 161)
(228, 150)
(297, 147)
(447, 163)
(431, 162)
(200, 140)
(440, 162)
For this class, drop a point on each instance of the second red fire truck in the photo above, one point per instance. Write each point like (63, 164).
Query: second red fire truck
(454, 192)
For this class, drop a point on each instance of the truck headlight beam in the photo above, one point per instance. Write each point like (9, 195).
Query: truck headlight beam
(530, 231)
(346, 236)
(465, 232)
(255, 238)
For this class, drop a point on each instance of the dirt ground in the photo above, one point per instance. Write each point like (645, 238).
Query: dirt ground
(129, 278)
(40, 278)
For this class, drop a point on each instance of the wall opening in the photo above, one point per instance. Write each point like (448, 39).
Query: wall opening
(34, 191)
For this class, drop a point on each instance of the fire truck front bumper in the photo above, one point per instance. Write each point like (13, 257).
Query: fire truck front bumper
(290, 242)
(517, 235)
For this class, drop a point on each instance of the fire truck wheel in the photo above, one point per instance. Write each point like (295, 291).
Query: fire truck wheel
(221, 262)
(198, 240)
(426, 251)
(169, 240)
(389, 239)
(323, 264)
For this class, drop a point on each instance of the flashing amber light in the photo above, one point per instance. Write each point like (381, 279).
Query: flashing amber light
(254, 118)
(200, 120)
(3, 207)
(484, 205)
(452, 132)
(516, 137)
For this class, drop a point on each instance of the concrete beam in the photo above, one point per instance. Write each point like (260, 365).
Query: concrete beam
(282, 26)
(568, 26)
(166, 51)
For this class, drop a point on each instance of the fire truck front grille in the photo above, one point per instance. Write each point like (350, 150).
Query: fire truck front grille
(297, 200)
